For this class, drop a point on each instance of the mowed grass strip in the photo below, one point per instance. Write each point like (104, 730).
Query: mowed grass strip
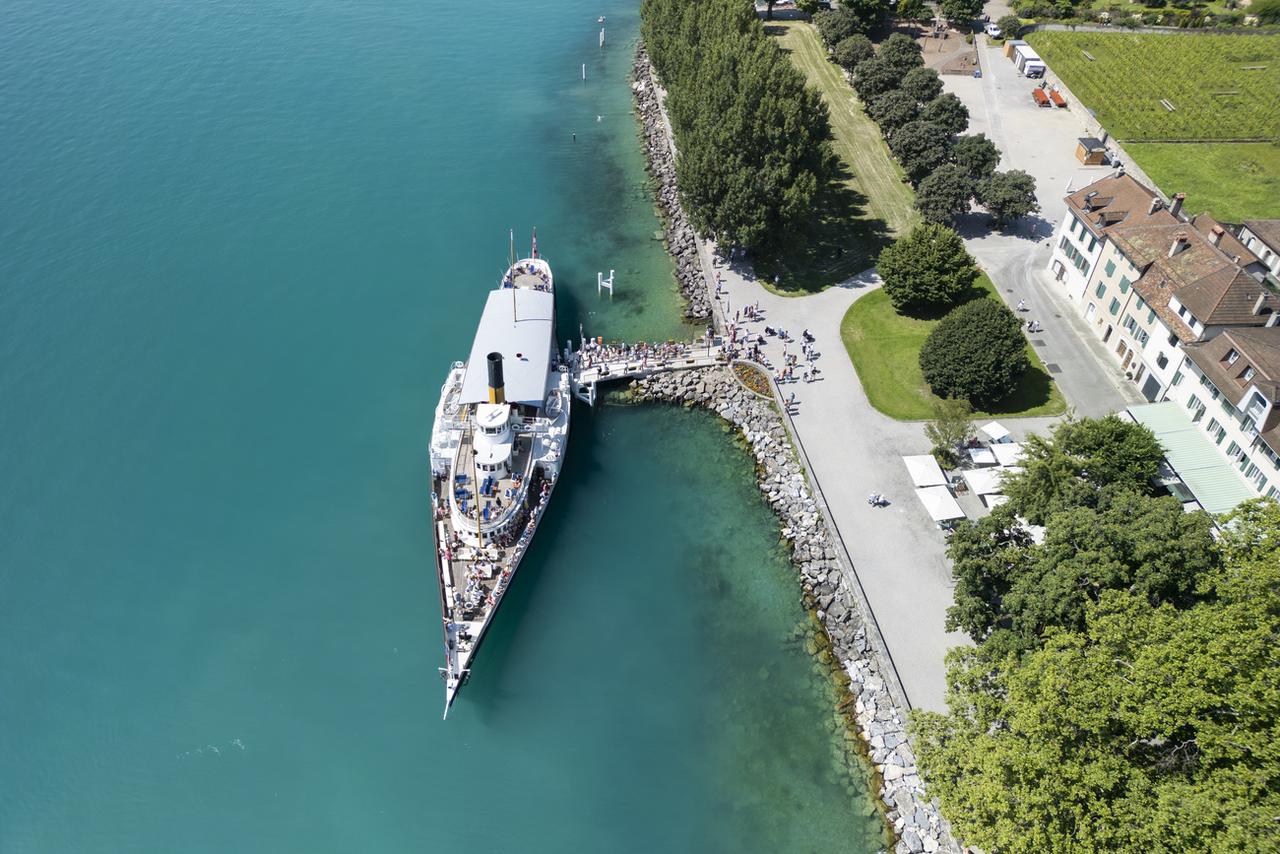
(1233, 181)
(863, 209)
(885, 349)
(857, 140)
(1222, 87)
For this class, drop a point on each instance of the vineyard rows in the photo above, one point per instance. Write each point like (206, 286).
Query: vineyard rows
(1222, 87)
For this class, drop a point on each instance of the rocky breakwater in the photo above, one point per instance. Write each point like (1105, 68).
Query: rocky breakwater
(827, 584)
(682, 241)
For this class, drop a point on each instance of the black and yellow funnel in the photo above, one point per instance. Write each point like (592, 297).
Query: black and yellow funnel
(496, 392)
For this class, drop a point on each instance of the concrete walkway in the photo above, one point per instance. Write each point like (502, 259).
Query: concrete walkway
(897, 551)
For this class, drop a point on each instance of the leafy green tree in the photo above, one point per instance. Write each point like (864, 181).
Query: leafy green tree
(950, 429)
(853, 50)
(976, 155)
(977, 352)
(836, 25)
(892, 110)
(901, 53)
(752, 137)
(926, 270)
(920, 147)
(947, 111)
(913, 11)
(872, 78)
(922, 84)
(1146, 546)
(1010, 26)
(1008, 196)
(1148, 729)
(1082, 456)
(809, 7)
(961, 12)
(868, 13)
(944, 194)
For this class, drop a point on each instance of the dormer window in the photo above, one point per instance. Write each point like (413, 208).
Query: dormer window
(1232, 355)
(1247, 375)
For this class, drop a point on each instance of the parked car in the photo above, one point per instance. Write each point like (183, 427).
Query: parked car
(992, 31)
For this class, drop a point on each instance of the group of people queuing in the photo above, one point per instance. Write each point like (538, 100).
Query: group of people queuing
(595, 352)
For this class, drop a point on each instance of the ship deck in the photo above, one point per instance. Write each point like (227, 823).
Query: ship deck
(504, 495)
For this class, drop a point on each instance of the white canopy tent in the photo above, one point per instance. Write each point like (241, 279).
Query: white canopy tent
(995, 431)
(940, 503)
(994, 500)
(925, 471)
(982, 456)
(1008, 453)
(983, 481)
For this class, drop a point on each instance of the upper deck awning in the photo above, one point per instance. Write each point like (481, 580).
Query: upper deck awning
(524, 337)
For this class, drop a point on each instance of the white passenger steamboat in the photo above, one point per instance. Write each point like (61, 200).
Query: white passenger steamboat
(500, 433)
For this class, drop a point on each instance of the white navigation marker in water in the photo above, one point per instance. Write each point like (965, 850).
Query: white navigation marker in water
(584, 71)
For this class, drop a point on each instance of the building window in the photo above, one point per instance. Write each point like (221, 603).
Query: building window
(1213, 425)
(1141, 303)
(1151, 318)
(1101, 290)
(1143, 338)
(1222, 434)
(1193, 402)
(1093, 243)
(1232, 355)
(1124, 285)
(1114, 308)
(1177, 375)
(1247, 375)
(1110, 268)
(1173, 338)
(1129, 323)
(1182, 311)
(1162, 362)
(1273, 493)
(1232, 449)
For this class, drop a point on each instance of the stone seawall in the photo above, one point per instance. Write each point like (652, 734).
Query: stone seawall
(659, 152)
(880, 721)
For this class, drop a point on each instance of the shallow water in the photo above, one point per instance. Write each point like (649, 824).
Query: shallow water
(241, 244)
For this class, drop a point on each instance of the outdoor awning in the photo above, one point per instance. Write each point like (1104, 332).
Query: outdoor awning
(1210, 478)
(940, 503)
(1008, 453)
(995, 431)
(925, 471)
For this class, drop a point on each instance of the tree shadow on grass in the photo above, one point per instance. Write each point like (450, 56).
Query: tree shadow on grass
(838, 240)
(1034, 389)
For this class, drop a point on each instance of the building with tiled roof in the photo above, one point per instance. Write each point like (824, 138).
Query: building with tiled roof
(1092, 212)
(1231, 389)
(1161, 282)
(1262, 238)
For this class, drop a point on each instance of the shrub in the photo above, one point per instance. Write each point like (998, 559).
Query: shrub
(1010, 26)
(853, 50)
(926, 270)
(1266, 11)
(950, 429)
(977, 352)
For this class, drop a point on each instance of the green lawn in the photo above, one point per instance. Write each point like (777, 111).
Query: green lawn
(885, 349)
(1233, 181)
(1222, 87)
(869, 206)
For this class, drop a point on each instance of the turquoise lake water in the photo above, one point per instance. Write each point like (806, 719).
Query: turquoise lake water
(240, 243)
